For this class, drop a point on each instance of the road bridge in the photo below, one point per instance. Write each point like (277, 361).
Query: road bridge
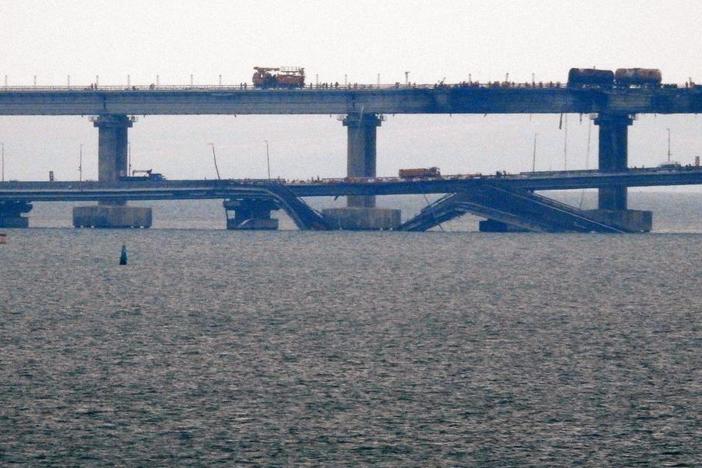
(361, 109)
(253, 200)
(424, 99)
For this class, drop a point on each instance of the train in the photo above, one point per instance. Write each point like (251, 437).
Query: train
(621, 78)
(419, 173)
(279, 77)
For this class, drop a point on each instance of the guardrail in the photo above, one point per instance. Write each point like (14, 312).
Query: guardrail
(310, 87)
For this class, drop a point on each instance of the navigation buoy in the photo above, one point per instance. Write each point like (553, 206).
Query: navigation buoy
(123, 255)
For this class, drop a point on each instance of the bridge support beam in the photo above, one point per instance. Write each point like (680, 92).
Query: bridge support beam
(360, 212)
(612, 202)
(251, 214)
(112, 164)
(11, 214)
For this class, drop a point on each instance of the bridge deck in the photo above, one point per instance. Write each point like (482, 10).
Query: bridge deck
(454, 99)
(218, 189)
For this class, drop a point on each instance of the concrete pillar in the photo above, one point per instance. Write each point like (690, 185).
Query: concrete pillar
(11, 212)
(112, 148)
(112, 164)
(361, 152)
(360, 212)
(613, 157)
(250, 214)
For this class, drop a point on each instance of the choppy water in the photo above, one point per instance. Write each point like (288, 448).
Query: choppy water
(343, 348)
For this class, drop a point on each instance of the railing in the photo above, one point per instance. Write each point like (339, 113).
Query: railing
(310, 87)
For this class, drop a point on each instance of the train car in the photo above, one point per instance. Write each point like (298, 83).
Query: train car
(279, 77)
(419, 173)
(638, 77)
(590, 78)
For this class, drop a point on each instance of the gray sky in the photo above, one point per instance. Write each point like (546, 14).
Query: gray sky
(431, 39)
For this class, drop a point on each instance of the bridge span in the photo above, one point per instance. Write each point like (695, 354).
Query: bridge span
(377, 186)
(423, 99)
(253, 200)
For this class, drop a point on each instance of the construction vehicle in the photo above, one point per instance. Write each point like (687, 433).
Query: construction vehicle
(419, 173)
(279, 77)
(148, 175)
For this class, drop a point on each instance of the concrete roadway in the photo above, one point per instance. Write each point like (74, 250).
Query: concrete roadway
(449, 99)
(219, 189)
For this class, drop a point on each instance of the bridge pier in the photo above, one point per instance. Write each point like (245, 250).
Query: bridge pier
(612, 203)
(251, 214)
(360, 212)
(613, 157)
(11, 214)
(112, 164)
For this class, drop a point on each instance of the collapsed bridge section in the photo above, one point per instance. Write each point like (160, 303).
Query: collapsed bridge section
(510, 209)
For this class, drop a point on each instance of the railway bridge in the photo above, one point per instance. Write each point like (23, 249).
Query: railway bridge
(361, 109)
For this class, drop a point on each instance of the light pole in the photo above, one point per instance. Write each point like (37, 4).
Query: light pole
(2, 151)
(80, 164)
(268, 159)
(668, 144)
(533, 155)
(214, 157)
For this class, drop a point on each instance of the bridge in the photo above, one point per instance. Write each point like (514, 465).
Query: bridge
(253, 200)
(361, 109)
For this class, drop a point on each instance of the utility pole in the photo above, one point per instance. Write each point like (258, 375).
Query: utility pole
(268, 160)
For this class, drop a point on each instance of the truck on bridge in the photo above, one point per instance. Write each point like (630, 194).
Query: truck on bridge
(279, 77)
(419, 173)
(147, 175)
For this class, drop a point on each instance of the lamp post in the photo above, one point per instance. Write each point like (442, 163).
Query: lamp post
(214, 157)
(268, 159)
(2, 151)
(533, 155)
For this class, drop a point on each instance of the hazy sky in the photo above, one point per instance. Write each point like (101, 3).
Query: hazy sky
(431, 39)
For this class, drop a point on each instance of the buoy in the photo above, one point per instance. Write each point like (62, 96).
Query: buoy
(123, 255)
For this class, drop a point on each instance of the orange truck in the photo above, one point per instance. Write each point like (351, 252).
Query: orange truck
(419, 173)
(279, 77)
